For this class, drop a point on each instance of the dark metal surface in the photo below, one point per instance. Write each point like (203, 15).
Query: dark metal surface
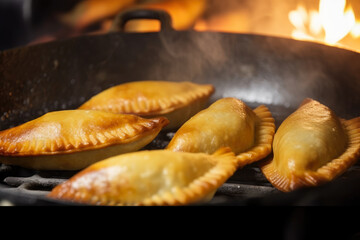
(258, 69)
(123, 17)
(273, 71)
(23, 21)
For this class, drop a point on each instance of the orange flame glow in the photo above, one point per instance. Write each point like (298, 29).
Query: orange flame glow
(336, 22)
(331, 23)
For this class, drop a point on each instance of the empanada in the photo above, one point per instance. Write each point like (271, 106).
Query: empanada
(228, 122)
(312, 146)
(177, 101)
(74, 139)
(155, 177)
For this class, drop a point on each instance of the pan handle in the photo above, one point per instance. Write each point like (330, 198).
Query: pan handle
(121, 19)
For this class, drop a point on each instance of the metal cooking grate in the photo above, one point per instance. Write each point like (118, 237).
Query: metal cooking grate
(246, 183)
(32, 181)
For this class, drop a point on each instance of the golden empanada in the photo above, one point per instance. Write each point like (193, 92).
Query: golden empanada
(74, 139)
(228, 122)
(177, 101)
(312, 146)
(155, 177)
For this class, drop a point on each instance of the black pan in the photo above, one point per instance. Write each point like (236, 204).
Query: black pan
(273, 71)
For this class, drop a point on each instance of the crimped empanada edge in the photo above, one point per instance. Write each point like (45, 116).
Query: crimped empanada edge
(202, 188)
(326, 173)
(273, 176)
(265, 130)
(339, 165)
(158, 106)
(177, 102)
(94, 141)
(78, 160)
(199, 190)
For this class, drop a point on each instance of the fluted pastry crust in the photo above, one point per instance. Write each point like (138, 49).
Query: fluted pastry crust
(264, 135)
(156, 177)
(177, 101)
(312, 146)
(74, 131)
(228, 122)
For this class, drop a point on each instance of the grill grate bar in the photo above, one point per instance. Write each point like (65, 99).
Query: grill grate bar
(33, 182)
(246, 183)
(245, 190)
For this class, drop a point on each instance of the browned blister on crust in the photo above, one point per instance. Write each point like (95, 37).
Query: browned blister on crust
(177, 101)
(156, 177)
(72, 139)
(312, 146)
(228, 122)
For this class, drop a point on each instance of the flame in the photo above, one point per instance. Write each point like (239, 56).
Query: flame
(331, 23)
(355, 32)
(234, 21)
(336, 22)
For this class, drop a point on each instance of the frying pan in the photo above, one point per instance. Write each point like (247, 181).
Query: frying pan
(273, 71)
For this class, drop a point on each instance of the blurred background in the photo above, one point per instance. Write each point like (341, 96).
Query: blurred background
(332, 22)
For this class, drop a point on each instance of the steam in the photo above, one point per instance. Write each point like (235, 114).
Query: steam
(191, 54)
